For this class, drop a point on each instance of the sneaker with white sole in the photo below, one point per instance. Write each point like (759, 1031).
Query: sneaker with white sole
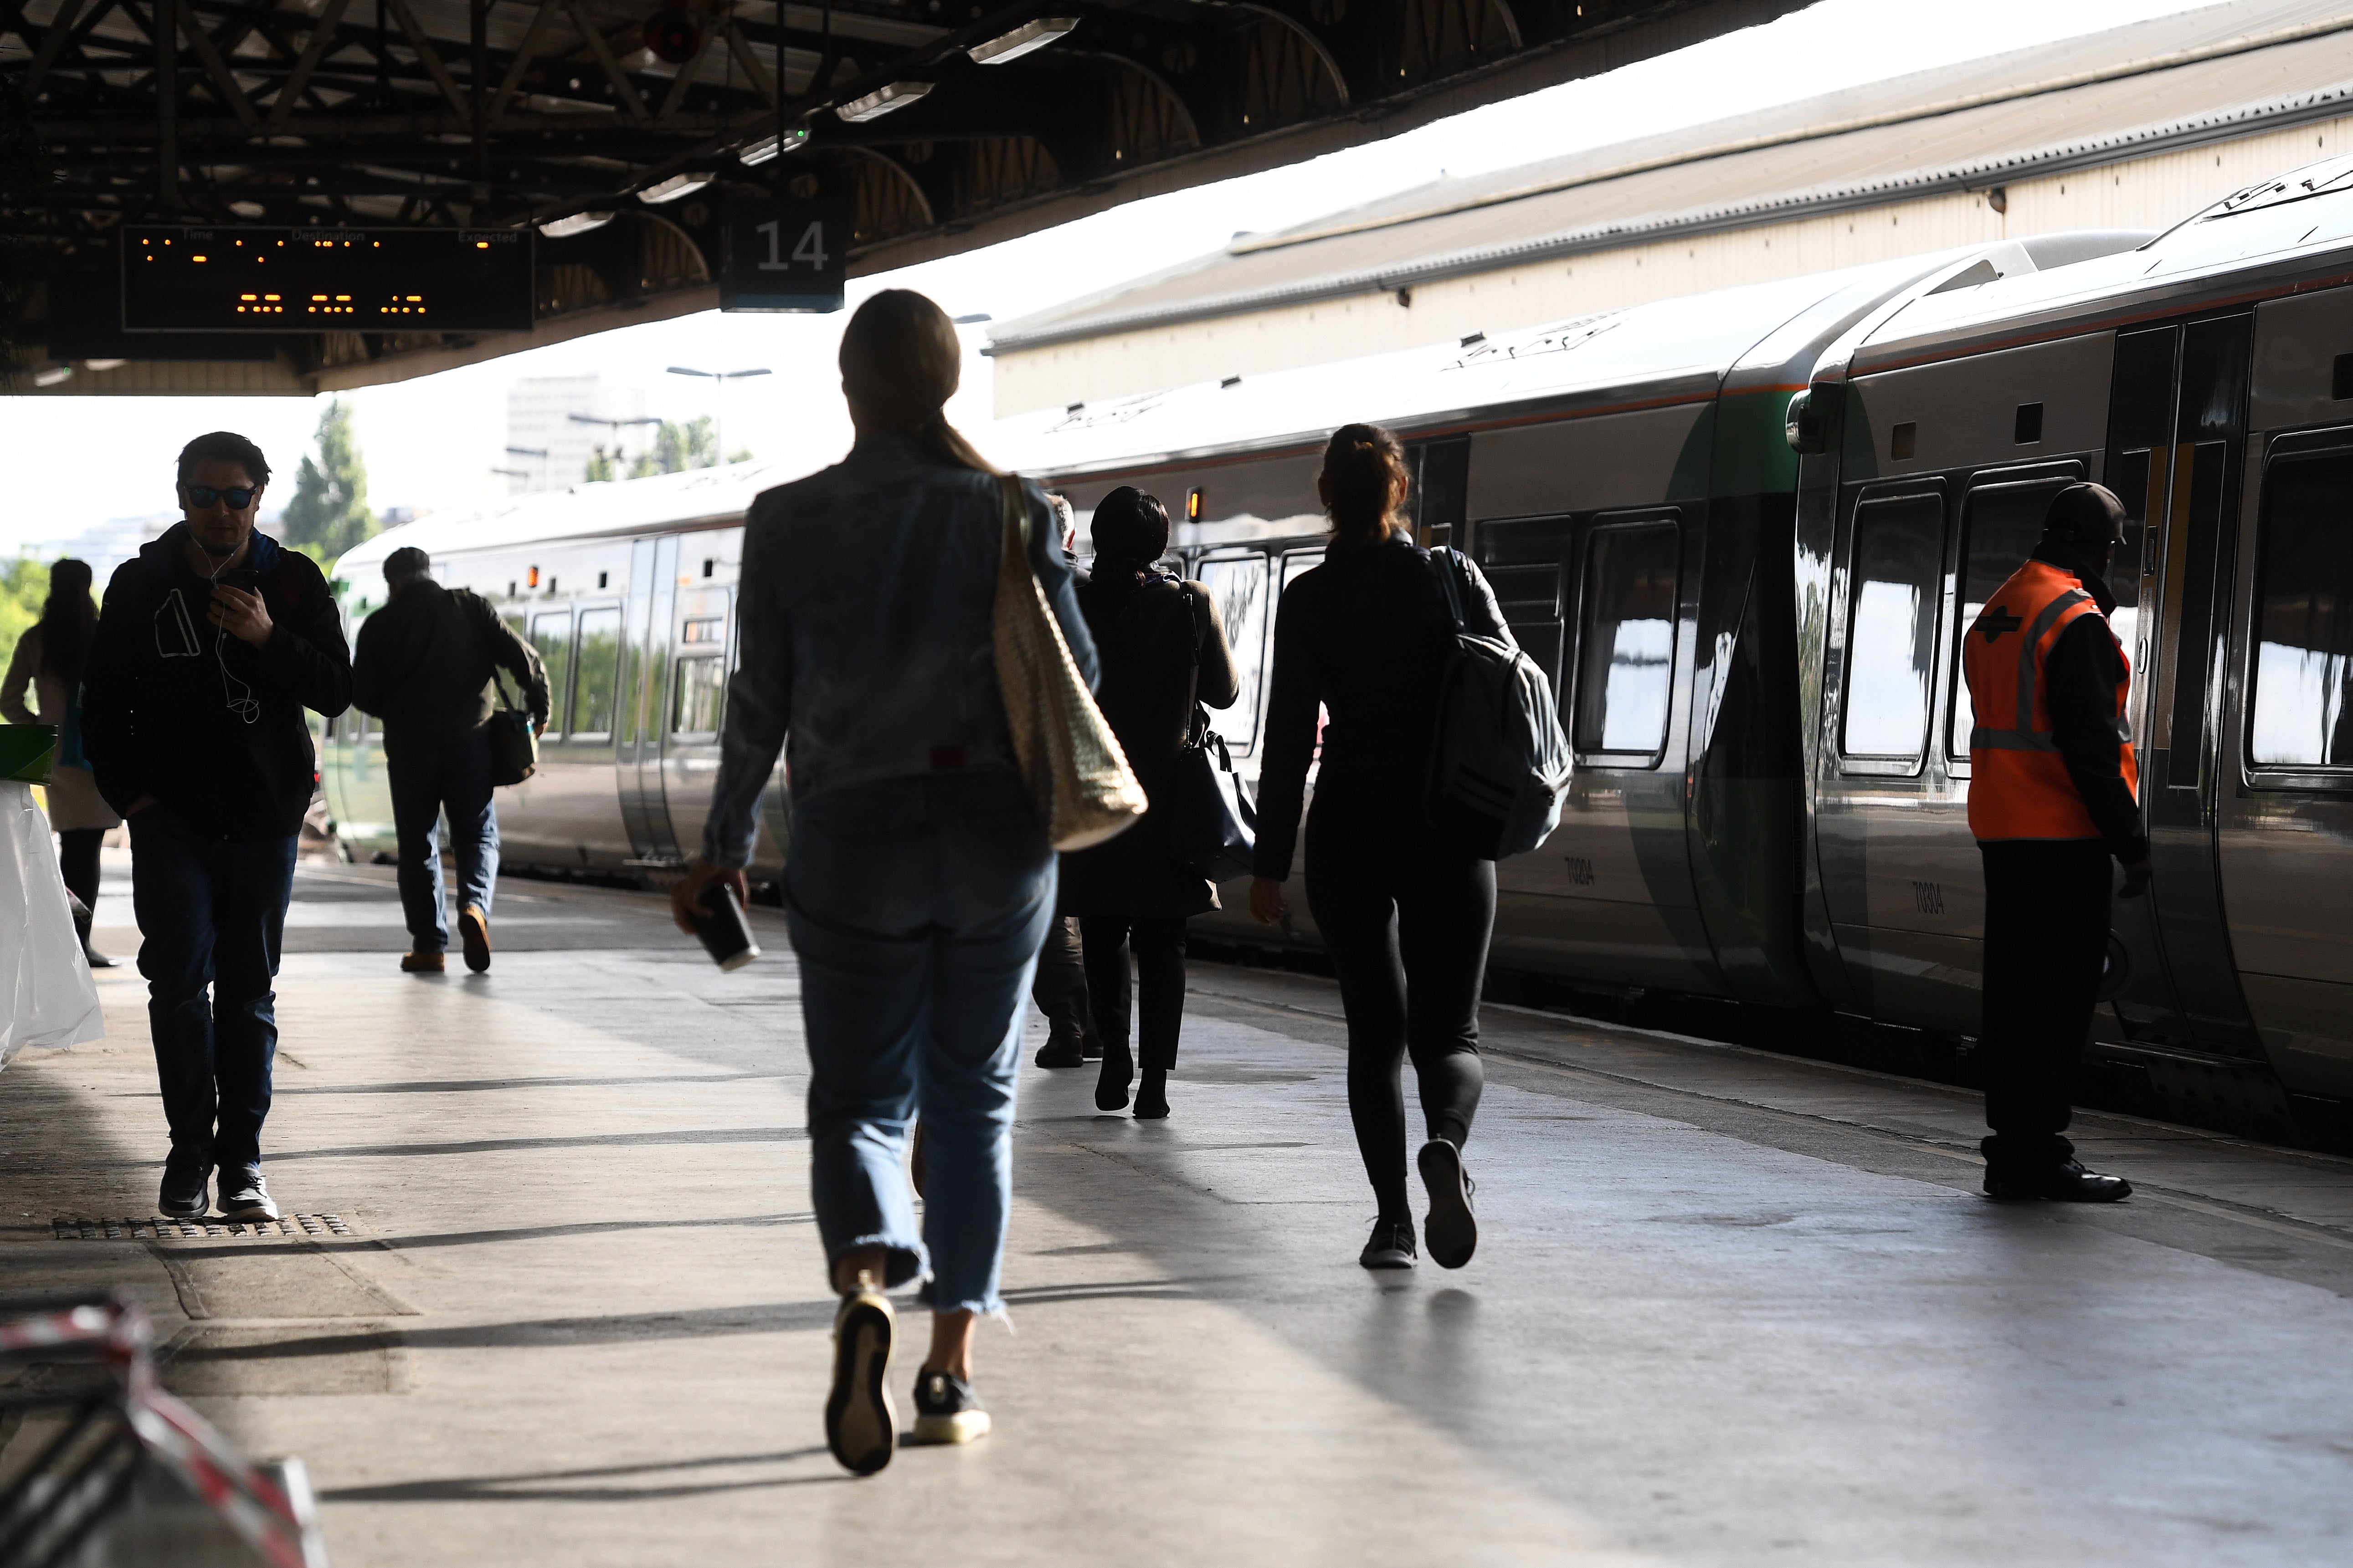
(946, 1410)
(245, 1197)
(1451, 1231)
(187, 1179)
(861, 1427)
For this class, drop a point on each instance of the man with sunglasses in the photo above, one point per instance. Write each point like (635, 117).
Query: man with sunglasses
(211, 643)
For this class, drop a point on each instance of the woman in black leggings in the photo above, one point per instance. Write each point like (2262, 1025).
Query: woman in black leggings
(1405, 913)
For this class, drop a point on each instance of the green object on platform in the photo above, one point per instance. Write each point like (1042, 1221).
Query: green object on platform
(27, 751)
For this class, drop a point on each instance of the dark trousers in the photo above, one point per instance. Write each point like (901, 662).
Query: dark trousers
(424, 780)
(1060, 988)
(1406, 920)
(78, 864)
(1158, 996)
(212, 914)
(2046, 936)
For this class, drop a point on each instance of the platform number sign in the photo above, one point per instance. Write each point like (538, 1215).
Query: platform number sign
(785, 254)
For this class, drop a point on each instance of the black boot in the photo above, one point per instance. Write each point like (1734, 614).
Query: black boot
(1152, 1099)
(1111, 1087)
(2066, 1181)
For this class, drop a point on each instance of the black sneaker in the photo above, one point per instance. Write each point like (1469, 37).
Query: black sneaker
(185, 1178)
(1452, 1232)
(245, 1197)
(1390, 1245)
(2066, 1183)
(861, 1427)
(946, 1410)
(1061, 1050)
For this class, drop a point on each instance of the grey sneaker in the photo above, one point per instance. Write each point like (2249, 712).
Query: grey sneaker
(946, 1410)
(245, 1197)
(185, 1178)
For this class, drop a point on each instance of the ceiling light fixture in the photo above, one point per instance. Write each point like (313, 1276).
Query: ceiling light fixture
(577, 223)
(794, 138)
(677, 185)
(1024, 39)
(882, 101)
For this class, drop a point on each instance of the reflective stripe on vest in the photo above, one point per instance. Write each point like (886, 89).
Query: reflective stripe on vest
(2019, 786)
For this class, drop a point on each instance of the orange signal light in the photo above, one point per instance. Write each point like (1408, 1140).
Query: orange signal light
(1193, 504)
(531, 578)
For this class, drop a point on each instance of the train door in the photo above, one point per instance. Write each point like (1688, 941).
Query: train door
(2177, 417)
(1240, 584)
(701, 661)
(1441, 468)
(645, 810)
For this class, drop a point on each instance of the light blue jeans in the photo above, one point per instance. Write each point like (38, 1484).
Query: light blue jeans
(917, 907)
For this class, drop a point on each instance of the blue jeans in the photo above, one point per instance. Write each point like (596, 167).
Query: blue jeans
(917, 906)
(423, 780)
(212, 914)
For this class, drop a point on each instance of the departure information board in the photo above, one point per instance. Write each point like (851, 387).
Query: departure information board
(326, 279)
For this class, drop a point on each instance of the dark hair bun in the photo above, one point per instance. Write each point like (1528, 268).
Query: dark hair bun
(1364, 465)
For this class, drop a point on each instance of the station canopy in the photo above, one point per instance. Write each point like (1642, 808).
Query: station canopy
(941, 125)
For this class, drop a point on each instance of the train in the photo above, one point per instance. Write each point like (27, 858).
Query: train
(1743, 533)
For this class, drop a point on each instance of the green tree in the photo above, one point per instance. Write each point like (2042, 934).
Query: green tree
(330, 507)
(677, 448)
(23, 589)
(600, 467)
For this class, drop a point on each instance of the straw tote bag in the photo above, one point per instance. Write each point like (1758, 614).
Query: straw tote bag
(1078, 779)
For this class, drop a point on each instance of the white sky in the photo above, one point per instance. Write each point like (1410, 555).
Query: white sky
(431, 443)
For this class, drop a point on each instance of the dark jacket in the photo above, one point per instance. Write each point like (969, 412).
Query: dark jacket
(429, 661)
(1145, 636)
(1368, 637)
(867, 627)
(164, 707)
(2080, 676)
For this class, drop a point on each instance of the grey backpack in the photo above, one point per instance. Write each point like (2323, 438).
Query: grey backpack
(1498, 763)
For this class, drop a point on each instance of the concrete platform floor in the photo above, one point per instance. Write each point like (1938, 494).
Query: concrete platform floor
(1728, 1307)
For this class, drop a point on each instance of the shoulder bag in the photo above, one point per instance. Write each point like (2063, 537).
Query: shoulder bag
(514, 747)
(1078, 779)
(1498, 762)
(1216, 827)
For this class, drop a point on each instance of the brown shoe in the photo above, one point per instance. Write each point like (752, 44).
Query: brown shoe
(474, 931)
(420, 964)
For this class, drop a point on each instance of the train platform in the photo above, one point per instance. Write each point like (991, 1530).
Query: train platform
(558, 1299)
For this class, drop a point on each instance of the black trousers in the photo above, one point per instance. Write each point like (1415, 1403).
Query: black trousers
(78, 865)
(1061, 987)
(1158, 993)
(2046, 940)
(1407, 920)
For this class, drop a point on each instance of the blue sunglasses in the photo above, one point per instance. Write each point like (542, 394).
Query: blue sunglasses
(239, 499)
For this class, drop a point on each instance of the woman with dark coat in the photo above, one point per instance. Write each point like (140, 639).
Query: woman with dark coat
(1153, 630)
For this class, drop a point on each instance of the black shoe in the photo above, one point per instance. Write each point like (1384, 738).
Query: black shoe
(1061, 1051)
(946, 1410)
(185, 1180)
(1452, 1232)
(2066, 1183)
(474, 935)
(245, 1197)
(1090, 1046)
(1111, 1086)
(1390, 1245)
(860, 1426)
(1152, 1097)
(96, 959)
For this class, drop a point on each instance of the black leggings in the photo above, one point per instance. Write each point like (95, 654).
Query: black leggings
(77, 863)
(1407, 920)
(1159, 949)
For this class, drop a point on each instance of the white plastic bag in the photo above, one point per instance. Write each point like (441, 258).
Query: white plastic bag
(52, 999)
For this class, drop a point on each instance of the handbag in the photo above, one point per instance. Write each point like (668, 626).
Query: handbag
(1215, 831)
(514, 749)
(1078, 780)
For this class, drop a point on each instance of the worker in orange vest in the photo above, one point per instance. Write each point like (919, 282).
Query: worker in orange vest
(2054, 797)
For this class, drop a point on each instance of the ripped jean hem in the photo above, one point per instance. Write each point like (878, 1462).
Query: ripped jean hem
(903, 1261)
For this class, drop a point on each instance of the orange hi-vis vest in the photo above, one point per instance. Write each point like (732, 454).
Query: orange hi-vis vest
(2018, 785)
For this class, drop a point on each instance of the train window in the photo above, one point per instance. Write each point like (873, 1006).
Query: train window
(1240, 589)
(2304, 616)
(1891, 638)
(600, 664)
(1625, 641)
(2000, 524)
(551, 634)
(705, 629)
(700, 689)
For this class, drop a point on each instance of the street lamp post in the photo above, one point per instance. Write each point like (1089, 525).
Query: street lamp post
(539, 452)
(722, 377)
(613, 426)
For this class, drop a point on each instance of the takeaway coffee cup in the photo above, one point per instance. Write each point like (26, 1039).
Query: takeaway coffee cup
(727, 936)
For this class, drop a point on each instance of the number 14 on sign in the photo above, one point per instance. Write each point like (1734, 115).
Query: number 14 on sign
(785, 254)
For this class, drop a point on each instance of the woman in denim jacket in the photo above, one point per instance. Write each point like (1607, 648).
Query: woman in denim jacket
(919, 883)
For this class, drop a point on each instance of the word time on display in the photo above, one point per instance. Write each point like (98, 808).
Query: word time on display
(317, 279)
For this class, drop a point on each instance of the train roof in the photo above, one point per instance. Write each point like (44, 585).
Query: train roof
(2284, 236)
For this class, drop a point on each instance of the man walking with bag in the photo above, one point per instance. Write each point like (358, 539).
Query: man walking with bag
(428, 667)
(212, 642)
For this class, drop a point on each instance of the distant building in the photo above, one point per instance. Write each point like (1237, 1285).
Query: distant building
(106, 545)
(541, 413)
(2137, 128)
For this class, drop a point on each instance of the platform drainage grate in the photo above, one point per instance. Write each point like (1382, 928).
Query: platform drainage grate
(159, 1229)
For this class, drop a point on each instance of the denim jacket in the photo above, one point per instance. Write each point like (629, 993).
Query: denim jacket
(867, 630)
